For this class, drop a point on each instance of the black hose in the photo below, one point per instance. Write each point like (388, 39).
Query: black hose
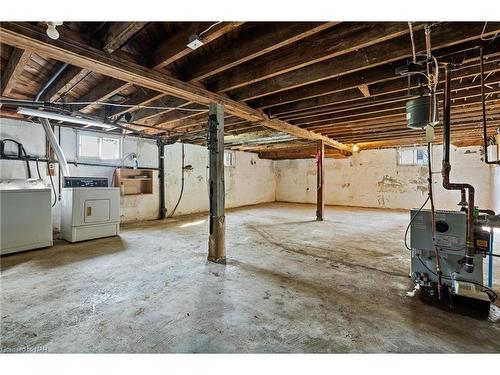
(182, 185)
(20, 147)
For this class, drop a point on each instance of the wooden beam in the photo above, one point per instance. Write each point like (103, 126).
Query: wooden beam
(320, 181)
(365, 90)
(69, 78)
(15, 66)
(102, 92)
(217, 226)
(382, 53)
(343, 39)
(175, 47)
(256, 40)
(119, 33)
(26, 36)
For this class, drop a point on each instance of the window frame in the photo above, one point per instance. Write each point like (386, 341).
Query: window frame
(233, 158)
(100, 138)
(415, 151)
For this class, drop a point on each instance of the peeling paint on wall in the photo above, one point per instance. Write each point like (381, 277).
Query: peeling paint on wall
(390, 184)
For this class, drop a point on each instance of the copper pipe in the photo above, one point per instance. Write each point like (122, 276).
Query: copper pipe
(469, 256)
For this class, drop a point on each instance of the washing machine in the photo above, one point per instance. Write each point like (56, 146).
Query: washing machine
(90, 209)
(26, 215)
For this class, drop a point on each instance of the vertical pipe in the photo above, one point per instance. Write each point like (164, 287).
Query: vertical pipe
(490, 260)
(161, 175)
(469, 255)
(217, 229)
(55, 145)
(320, 183)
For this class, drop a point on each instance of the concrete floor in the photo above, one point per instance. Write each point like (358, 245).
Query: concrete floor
(291, 285)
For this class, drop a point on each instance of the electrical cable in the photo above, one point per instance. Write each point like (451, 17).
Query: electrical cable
(182, 184)
(493, 297)
(208, 29)
(109, 105)
(52, 184)
(482, 34)
(411, 221)
(23, 150)
(38, 169)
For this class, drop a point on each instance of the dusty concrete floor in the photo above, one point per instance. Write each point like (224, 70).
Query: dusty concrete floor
(291, 285)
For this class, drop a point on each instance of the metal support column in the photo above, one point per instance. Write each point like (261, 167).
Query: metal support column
(320, 181)
(217, 229)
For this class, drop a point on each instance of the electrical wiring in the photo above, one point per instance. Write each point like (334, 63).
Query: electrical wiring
(493, 295)
(490, 38)
(110, 105)
(209, 28)
(182, 184)
(52, 184)
(411, 221)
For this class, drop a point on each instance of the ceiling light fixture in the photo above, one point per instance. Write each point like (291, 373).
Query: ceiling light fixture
(194, 42)
(355, 148)
(57, 117)
(51, 29)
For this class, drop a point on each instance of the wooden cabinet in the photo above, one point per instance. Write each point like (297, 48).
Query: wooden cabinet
(134, 181)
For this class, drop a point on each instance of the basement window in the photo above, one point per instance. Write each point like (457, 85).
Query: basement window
(413, 156)
(100, 147)
(228, 158)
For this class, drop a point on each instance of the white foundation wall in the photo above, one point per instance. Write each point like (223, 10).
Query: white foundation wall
(32, 136)
(250, 181)
(372, 178)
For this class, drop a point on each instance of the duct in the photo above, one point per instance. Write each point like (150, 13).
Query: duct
(49, 82)
(469, 257)
(55, 145)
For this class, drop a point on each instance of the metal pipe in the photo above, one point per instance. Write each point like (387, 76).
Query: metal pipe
(50, 81)
(483, 105)
(55, 145)
(469, 256)
(161, 175)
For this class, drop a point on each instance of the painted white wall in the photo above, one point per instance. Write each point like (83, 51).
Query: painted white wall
(250, 181)
(372, 178)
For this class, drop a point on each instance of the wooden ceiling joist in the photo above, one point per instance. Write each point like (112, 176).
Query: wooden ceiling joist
(12, 73)
(382, 53)
(119, 33)
(175, 47)
(259, 40)
(27, 37)
(340, 40)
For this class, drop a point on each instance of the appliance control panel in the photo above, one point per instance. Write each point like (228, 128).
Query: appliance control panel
(85, 182)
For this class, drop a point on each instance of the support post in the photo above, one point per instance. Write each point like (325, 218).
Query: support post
(320, 181)
(217, 225)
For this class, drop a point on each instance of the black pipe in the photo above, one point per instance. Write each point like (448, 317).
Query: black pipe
(469, 256)
(483, 104)
(74, 162)
(49, 82)
(161, 175)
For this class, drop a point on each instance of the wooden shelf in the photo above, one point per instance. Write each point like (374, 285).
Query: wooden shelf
(129, 184)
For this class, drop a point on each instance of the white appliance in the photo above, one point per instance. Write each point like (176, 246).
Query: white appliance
(26, 215)
(89, 209)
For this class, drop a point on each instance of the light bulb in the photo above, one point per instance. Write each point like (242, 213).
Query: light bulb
(355, 148)
(52, 31)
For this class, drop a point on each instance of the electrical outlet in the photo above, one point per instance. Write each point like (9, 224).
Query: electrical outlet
(52, 169)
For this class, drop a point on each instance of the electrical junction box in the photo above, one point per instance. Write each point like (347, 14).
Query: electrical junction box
(90, 212)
